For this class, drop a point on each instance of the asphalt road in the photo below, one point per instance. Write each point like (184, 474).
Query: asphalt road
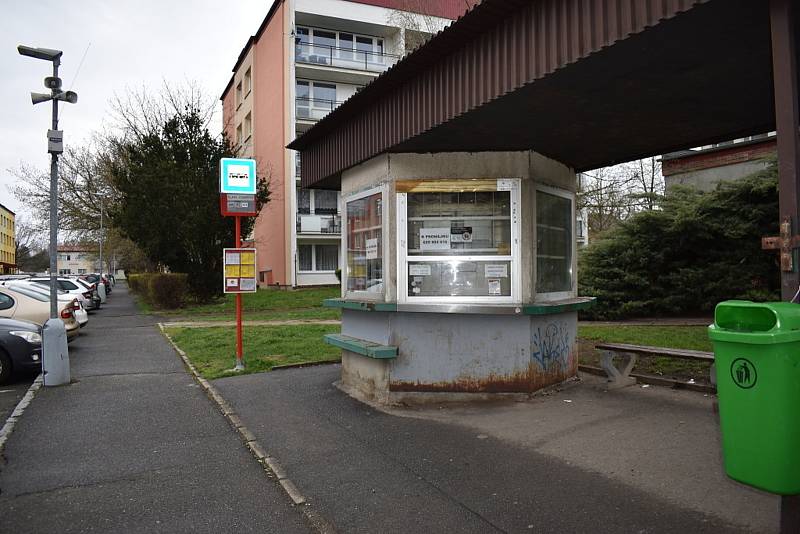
(368, 471)
(12, 393)
(133, 445)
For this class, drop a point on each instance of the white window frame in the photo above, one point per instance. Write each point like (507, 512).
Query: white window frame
(555, 295)
(515, 258)
(314, 269)
(366, 295)
(376, 40)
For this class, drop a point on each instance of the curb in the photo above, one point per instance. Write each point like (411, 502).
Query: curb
(8, 427)
(269, 463)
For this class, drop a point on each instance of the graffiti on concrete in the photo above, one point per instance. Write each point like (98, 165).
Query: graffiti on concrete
(551, 346)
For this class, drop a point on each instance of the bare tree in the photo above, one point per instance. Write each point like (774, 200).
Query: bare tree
(419, 25)
(611, 194)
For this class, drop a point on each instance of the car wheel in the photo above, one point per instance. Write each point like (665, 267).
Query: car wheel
(5, 368)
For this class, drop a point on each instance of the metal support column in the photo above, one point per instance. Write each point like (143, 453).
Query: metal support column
(787, 120)
(787, 113)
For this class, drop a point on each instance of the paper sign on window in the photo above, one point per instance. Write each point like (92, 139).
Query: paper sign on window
(434, 238)
(419, 269)
(372, 249)
(496, 271)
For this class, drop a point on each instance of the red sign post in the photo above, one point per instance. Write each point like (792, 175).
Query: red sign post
(237, 199)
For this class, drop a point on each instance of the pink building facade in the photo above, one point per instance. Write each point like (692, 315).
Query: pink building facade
(306, 58)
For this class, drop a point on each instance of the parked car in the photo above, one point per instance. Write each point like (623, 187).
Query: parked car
(20, 347)
(63, 297)
(24, 303)
(97, 279)
(96, 300)
(84, 295)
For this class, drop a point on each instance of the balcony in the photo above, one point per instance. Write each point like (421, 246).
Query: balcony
(344, 58)
(313, 109)
(319, 224)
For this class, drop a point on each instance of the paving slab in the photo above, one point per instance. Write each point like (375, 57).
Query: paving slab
(463, 469)
(133, 445)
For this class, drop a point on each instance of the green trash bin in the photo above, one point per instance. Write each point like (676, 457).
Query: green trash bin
(757, 358)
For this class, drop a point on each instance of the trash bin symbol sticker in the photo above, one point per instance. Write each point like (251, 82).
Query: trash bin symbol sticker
(743, 373)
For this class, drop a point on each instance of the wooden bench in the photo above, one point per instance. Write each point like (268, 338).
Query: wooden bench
(361, 346)
(620, 376)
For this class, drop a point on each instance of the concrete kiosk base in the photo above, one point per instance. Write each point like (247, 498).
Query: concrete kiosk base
(462, 355)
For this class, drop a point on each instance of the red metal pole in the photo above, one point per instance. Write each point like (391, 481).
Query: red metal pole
(239, 352)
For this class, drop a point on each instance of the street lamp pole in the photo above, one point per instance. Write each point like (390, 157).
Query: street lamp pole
(54, 207)
(55, 355)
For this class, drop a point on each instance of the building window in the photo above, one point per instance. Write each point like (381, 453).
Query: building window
(554, 242)
(81, 271)
(364, 243)
(239, 135)
(327, 257)
(238, 95)
(64, 271)
(303, 200)
(326, 202)
(458, 241)
(317, 258)
(314, 100)
(248, 82)
(248, 126)
(339, 49)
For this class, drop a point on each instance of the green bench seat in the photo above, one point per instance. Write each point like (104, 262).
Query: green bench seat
(360, 346)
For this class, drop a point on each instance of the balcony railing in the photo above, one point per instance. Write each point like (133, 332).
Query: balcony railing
(346, 58)
(313, 109)
(318, 224)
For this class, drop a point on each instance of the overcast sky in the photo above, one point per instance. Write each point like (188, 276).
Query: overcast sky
(133, 44)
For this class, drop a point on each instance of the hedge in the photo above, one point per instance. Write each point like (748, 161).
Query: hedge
(165, 291)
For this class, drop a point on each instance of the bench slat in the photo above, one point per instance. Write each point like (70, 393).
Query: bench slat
(657, 351)
(361, 346)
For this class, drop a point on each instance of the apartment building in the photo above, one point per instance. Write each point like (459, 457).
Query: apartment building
(307, 57)
(8, 241)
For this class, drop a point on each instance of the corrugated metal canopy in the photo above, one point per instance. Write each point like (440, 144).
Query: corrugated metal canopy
(587, 82)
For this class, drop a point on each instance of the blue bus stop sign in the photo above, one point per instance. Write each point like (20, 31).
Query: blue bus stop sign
(237, 176)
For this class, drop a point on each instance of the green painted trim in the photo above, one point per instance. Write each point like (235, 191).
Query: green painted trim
(581, 303)
(360, 305)
(360, 346)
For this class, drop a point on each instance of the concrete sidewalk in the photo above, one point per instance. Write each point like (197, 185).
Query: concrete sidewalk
(133, 445)
(580, 460)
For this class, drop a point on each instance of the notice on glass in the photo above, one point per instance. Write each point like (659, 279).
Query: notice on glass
(372, 249)
(494, 286)
(496, 271)
(461, 234)
(419, 269)
(434, 238)
(505, 184)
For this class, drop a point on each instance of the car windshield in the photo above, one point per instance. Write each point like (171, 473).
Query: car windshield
(29, 292)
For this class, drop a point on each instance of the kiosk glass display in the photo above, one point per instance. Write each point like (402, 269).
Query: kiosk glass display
(459, 241)
(364, 243)
(554, 241)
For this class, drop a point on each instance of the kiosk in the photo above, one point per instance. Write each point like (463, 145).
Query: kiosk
(458, 275)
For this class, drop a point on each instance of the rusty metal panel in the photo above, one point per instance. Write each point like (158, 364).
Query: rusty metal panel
(496, 47)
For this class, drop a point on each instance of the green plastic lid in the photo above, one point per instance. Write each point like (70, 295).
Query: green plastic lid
(743, 321)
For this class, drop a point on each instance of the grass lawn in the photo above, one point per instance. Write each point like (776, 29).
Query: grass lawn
(264, 305)
(675, 337)
(213, 350)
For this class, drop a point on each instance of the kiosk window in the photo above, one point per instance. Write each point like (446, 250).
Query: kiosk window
(553, 243)
(365, 244)
(460, 241)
